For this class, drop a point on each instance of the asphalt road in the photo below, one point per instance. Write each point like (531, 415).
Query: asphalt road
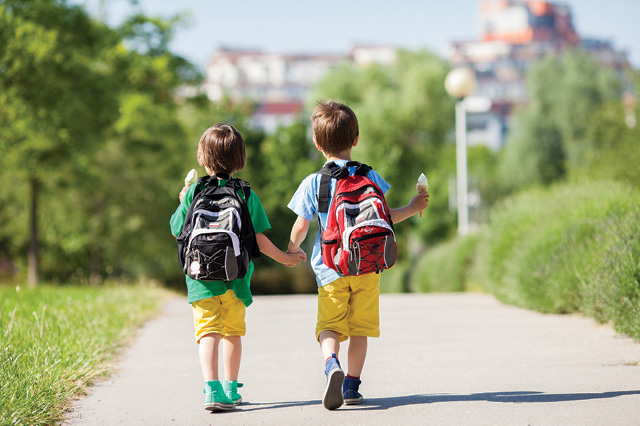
(442, 359)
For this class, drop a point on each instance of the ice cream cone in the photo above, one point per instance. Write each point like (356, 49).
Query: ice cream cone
(420, 189)
(422, 186)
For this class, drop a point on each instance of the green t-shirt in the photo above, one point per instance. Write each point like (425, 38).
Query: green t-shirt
(198, 290)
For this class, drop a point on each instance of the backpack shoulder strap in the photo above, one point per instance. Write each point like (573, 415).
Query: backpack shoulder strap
(361, 168)
(202, 182)
(246, 193)
(243, 185)
(330, 170)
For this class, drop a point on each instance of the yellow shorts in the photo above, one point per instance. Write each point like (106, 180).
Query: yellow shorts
(349, 306)
(222, 315)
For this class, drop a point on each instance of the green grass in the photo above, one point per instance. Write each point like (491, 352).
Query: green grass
(55, 340)
(568, 248)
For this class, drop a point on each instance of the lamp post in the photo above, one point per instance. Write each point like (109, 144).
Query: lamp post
(459, 83)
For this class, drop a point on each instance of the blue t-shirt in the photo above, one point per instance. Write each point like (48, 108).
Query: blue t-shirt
(305, 204)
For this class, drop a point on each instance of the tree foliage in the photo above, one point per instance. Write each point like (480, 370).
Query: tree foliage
(89, 114)
(550, 137)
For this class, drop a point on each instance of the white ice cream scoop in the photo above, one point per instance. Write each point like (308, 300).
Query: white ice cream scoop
(422, 180)
(192, 177)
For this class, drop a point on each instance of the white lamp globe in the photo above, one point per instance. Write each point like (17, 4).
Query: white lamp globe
(460, 82)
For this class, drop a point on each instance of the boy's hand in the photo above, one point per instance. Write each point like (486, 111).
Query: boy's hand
(293, 258)
(182, 193)
(419, 202)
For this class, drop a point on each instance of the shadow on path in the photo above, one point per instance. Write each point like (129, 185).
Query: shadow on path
(399, 401)
(255, 406)
(504, 397)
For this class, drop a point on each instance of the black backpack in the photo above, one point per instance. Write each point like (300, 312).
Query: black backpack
(217, 240)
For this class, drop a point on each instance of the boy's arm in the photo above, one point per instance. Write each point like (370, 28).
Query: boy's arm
(178, 218)
(298, 234)
(418, 203)
(287, 259)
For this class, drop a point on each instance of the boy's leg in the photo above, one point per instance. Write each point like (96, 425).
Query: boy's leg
(233, 313)
(357, 355)
(332, 327)
(231, 354)
(208, 351)
(364, 321)
(329, 343)
(209, 329)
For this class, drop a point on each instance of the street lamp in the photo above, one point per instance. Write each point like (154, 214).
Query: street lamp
(459, 83)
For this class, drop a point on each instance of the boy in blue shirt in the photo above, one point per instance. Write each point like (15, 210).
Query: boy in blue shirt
(347, 305)
(219, 306)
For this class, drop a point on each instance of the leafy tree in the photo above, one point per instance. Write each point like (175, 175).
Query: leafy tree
(534, 154)
(289, 156)
(89, 123)
(56, 100)
(549, 137)
(613, 139)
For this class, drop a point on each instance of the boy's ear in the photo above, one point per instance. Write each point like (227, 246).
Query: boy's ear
(316, 144)
(355, 142)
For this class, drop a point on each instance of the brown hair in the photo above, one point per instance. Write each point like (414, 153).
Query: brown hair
(221, 149)
(335, 126)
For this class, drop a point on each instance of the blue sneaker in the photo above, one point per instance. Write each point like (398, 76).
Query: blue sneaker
(350, 391)
(332, 397)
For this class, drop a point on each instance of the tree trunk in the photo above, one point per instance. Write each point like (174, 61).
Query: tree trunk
(95, 278)
(33, 234)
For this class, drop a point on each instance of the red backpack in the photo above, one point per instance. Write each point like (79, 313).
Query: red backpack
(359, 237)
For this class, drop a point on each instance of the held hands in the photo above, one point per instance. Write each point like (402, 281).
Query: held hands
(419, 202)
(294, 257)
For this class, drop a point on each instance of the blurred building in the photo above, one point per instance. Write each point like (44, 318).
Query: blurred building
(515, 34)
(278, 83)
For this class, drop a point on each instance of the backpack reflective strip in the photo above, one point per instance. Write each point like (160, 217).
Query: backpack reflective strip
(370, 201)
(381, 223)
(220, 213)
(234, 238)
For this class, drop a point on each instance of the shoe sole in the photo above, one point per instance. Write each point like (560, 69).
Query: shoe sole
(353, 401)
(332, 397)
(218, 406)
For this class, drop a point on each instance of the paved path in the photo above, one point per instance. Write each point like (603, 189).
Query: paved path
(443, 359)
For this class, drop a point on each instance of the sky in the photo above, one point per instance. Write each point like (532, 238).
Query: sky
(334, 26)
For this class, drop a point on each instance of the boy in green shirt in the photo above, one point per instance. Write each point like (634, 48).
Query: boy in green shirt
(219, 306)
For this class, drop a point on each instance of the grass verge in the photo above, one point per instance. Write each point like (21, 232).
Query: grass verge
(55, 340)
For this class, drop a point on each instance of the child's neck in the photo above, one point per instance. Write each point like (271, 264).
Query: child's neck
(344, 155)
(212, 173)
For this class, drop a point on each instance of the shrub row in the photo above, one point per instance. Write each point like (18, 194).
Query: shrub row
(568, 248)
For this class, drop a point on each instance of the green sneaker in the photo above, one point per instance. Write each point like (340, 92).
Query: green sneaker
(214, 397)
(231, 390)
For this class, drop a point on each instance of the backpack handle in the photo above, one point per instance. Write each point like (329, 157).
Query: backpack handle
(332, 170)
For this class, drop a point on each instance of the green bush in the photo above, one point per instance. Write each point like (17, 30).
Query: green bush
(569, 248)
(446, 266)
(394, 280)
